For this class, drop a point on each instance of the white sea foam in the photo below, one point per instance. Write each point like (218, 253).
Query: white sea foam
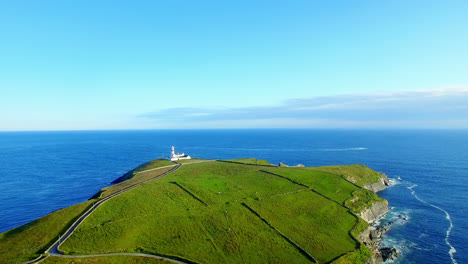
(344, 149)
(394, 181)
(452, 250)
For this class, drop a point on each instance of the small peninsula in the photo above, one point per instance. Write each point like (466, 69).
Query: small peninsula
(214, 211)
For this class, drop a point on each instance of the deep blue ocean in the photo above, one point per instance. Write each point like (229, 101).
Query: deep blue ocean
(43, 171)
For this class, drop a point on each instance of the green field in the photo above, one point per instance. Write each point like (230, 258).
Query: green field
(104, 260)
(137, 178)
(331, 185)
(152, 165)
(213, 212)
(28, 241)
(310, 220)
(196, 213)
(356, 173)
(252, 161)
(188, 161)
(157, 163)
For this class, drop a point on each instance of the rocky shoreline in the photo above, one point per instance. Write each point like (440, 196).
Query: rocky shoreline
(372, 237)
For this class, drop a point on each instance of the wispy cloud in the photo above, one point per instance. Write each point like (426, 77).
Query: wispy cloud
(430, 108)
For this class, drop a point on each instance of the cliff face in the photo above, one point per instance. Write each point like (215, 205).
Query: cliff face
(375, 211)
(378, 186)
(372, 237)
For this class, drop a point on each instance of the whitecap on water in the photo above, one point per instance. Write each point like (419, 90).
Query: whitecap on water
(452, 250)
(344, 149)
(394, 181)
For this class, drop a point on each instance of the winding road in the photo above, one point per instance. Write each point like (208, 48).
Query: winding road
(55, 251)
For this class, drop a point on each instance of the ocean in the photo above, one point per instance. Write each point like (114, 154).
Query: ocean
(44, 171)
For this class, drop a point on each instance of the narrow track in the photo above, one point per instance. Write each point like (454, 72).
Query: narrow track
(120, 254)
(54, 249)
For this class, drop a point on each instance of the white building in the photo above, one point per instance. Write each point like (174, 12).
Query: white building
(178, 156)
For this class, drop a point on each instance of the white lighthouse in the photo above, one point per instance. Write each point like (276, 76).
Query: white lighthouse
(178, 156)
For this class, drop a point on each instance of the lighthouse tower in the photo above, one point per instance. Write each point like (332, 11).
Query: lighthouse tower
(178, 156)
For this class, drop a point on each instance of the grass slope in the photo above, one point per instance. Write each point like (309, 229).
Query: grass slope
(196, 213)
(331, 185)
(163, 218)
(318, 225)
(252, 161)
(104, 260)
(153, 164)
(157, 163)
(30, 240)
(356, 173)
(138, 177)
(213, 212)
(188, 161)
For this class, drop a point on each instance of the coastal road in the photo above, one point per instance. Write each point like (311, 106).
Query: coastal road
(122, 254)
(54, 249)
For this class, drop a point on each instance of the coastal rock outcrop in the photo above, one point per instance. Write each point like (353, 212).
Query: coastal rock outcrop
(382, 184)
(389, 253)
(375, 211)
(372, 237)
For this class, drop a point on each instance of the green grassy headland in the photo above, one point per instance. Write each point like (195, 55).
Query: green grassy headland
(215, 212)
(187, 161)
(356, 173)
(104, 260)
(157, 163)
(252, 161)
(30, 240)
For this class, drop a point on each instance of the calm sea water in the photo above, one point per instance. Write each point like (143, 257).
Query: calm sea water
(43, 171)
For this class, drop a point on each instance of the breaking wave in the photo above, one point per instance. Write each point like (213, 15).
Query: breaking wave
(344, 149)
(452, 250)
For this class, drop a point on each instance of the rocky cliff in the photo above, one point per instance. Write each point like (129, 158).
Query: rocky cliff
(372, 237)
(382, 184)
(377, 210)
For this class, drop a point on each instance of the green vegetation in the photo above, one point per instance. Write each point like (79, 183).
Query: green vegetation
(356, 257)
(152, 165)
(187, 161)
(213, 212)
(361, 226)
(252, 161)
(310, 222)
(162, 218)
(197, 213)
(157, 163)
(330, 185)
(103, 260)
(30, 240)
(356, 173)
(138, 177)
(362, 199)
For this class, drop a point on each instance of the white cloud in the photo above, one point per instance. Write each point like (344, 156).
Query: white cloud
(430, 108)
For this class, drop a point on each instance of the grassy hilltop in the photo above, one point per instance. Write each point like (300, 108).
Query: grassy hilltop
(237, 211)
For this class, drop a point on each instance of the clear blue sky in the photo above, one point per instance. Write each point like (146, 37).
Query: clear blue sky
(233, 64)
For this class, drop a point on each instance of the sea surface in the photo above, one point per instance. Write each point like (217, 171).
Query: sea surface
(44, 171)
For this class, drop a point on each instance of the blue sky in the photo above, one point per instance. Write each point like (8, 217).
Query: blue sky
(67, 65)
